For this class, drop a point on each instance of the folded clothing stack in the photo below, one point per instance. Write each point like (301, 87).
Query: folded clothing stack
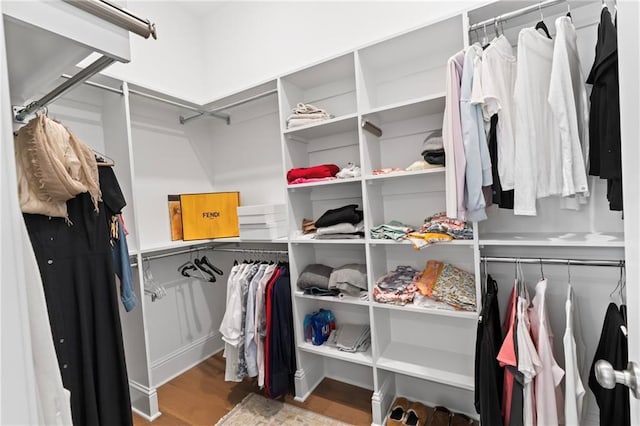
(350, 279)
(322, 280)
(342, 223)
(396, 287)
(351, 170)
(304, 114)
(433, 148)
(392, 230)
(314, 279)
(446, 285)
(350, 337)
(322, 172)
(312, 174)
(438, 228)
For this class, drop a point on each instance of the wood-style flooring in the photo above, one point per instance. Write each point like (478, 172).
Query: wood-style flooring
(202, 397)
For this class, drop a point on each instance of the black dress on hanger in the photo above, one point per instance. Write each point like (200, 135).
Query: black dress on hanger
(76, 265)
(612, 347)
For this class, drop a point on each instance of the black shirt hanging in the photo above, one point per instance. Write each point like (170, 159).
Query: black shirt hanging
(612, 347)
(489, 375)
(604, 118)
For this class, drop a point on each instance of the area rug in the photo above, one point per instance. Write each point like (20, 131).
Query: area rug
(258, 410)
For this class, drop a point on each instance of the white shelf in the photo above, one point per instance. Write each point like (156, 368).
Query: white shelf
(325, 128)
(404, 174)
(355, 241)
(363, 358)
(446, 367)
(324, 183)
(424, 106)
(349, 300)
(540, 239)
(374, 241)
(174, 245)
(427, 311)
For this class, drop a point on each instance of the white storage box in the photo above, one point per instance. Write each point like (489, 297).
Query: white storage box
(262, 214)
(263, 231)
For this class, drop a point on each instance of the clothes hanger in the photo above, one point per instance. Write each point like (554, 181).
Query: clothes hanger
(102, 159)
(617, 291)
(495, 27)
(541, 25)
(205, 260)
(186, 267)
(569, 10)
(541, 270)
(485, 38)
(203, 268)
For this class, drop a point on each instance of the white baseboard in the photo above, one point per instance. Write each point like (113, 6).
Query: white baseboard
(302, 377)
(382, 399)
(349, 381)
(144, 415)
(177, 362)
(144, 400)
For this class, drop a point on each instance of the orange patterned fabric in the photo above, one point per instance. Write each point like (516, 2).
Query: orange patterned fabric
(427, 280)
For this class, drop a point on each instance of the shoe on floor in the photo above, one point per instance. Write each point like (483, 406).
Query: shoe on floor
(398, 412)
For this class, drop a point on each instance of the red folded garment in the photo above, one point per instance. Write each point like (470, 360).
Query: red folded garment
(324, 170)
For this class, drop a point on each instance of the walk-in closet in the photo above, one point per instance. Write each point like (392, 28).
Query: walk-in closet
(408, 213)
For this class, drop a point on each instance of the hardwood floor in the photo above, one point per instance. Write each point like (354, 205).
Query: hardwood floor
(201, 397)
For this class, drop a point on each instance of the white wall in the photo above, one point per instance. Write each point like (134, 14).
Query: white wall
(209, 49)
(174, 63)
(249, 42)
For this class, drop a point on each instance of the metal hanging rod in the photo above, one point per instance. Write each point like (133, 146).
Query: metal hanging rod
(97, 85)
(116, 15)
(227, 117)
(250, 251)
(516, 13)
(80, 77)
(163, 100)
(213, 248)
(551, 261)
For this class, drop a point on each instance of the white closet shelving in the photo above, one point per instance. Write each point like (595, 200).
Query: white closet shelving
(399, 87)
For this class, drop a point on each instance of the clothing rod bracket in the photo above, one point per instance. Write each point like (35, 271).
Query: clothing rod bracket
(225, 117)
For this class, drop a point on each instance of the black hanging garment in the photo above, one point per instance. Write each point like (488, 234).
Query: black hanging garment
(612, 347)
(76, 265)
(604, 118)
(489, 376)
(282, 362)
(504, 199)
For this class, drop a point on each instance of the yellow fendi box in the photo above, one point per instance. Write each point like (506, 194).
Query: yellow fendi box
(210, 215)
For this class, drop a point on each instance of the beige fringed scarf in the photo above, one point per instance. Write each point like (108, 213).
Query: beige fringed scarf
(53, 166)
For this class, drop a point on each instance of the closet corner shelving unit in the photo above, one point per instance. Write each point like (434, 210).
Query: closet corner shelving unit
(398, 85)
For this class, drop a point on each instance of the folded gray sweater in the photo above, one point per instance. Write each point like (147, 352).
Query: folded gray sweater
(350, 278)
(315, 275)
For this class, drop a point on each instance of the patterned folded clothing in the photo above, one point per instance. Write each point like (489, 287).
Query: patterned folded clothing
(321, 171)
(397, 286)
(458, 229)
(393, 230)
(456, 287)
